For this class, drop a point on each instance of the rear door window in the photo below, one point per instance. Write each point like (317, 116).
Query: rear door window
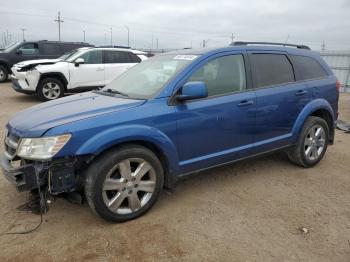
(50, 49)
(308, 67)
(272, 69)
(117, 57)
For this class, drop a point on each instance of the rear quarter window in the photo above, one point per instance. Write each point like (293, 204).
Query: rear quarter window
(308, 67)
(272, 69)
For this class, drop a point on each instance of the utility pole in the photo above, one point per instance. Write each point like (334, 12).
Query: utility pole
(105, 38)
(287, 39)
(203, 43)
(323, 46)
(152, 43)
(111, 36)
(127, 28)
(84, 35)
(59, 21)
(23, 29)
(157, 43)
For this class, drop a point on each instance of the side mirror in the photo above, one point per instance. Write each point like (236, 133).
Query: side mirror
(192, 90)
(79, 61)
(19, 52)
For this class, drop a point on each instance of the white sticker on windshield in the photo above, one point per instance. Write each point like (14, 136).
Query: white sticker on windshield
(185, 57)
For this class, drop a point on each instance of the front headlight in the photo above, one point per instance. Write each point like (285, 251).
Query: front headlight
(41, 148)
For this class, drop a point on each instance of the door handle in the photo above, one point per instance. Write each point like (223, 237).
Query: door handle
(100, 69)
(301, 92)
(246, 103)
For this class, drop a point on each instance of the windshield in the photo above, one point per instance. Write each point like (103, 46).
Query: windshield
(68, 54)
(11, 47)
(146, 79)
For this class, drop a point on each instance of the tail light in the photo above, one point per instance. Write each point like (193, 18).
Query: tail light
(338, 85)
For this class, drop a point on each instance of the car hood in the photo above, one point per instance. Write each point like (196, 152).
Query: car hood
(37, 62)
(36, 120)
(26, 65)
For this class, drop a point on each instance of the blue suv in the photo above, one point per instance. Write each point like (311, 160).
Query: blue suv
(170, 116)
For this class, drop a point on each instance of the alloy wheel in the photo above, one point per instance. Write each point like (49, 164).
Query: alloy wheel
(314, 143)
(129, 186)
(51, 90)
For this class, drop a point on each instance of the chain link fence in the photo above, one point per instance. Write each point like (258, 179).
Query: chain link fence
(339, 62)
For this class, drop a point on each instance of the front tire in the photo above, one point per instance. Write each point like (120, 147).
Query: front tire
(124, 183)
(3, 74)
(50, 89)
(312, 143)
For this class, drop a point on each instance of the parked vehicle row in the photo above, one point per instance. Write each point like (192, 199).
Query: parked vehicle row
(172, 115)
(82, 69)
(33, 50)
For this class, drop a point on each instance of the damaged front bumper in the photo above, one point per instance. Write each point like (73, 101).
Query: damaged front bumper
(58, 176)
(25, 81)
(23, 177)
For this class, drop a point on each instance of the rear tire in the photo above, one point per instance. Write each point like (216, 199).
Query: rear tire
(312, 143)
(124, 183)
(3, 74)
(50, 89)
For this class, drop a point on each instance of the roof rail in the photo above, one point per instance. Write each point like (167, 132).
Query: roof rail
(269, 43)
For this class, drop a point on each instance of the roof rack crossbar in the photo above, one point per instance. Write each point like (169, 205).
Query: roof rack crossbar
(269, 43)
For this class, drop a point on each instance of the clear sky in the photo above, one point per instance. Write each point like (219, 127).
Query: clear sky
(181, 23)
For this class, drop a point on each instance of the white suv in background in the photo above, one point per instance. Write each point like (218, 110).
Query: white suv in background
(80, 70)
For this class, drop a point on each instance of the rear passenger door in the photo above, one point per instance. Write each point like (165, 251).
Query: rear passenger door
(280, 99)
(116, 62)
(49, 50)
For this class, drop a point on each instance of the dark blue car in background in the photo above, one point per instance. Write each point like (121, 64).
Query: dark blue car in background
(173, 115)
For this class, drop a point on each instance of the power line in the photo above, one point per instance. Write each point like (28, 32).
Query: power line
(141, 29)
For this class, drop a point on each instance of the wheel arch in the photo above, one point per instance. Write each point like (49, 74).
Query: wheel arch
(148, 137)
(327, 116)
(57, 75)
(320, 108)
(6, 65)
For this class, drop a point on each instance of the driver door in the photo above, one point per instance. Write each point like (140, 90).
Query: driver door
(90, 74)
(28, 51)
(219, 128)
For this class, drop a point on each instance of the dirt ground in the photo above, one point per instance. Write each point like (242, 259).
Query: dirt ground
(249, 211)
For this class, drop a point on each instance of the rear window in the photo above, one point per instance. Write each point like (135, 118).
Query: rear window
(308, 67)
(272, 69)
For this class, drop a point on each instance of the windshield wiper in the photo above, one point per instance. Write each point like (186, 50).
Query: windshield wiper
(113, 91)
